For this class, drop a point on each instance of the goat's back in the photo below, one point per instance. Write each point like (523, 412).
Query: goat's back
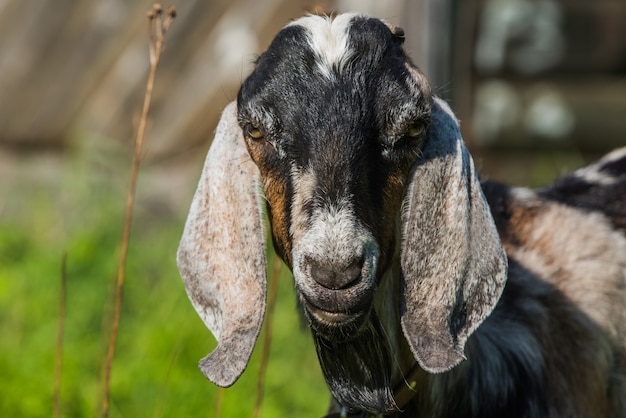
(600, 187)
(567, 279)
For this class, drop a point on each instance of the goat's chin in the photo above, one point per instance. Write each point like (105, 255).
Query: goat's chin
(335, 326)
(358, 369)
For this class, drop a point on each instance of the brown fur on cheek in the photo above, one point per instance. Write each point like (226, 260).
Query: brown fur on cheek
(393, 191)
(279, 212)
(277, 191)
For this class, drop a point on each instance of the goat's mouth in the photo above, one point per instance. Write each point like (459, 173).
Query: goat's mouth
(336, 323)
(336, 283)
(328, 317)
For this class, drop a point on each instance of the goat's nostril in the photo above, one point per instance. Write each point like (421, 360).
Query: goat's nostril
(336, 277)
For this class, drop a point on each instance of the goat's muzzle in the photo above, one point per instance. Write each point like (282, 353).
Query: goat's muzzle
(336, 277)
(337, 298)
(335, 262)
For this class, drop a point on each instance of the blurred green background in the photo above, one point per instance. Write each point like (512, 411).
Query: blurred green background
(161, 338)
(539, 85)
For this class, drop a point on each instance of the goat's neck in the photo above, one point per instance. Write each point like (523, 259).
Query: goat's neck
(387, 306)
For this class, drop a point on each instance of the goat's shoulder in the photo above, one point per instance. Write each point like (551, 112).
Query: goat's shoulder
(577, 250)
(536, 355)
(599, 187)
(561, 321)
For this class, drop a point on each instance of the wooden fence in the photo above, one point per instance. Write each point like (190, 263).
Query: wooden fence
(73, 69)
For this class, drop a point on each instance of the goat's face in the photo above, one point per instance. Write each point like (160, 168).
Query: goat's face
(354, 156)
(334, 125)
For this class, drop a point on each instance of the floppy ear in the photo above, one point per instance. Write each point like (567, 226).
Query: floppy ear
(221, 256)
(453, 264)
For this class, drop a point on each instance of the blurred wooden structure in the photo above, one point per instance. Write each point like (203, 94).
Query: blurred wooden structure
(71, 67)
(547, 74)
(521, 73)
(77, 69)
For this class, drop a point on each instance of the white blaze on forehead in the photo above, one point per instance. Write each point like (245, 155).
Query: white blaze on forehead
(328, 38)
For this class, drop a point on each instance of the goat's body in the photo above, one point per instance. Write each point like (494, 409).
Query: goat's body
(537, 355)
(555, 345)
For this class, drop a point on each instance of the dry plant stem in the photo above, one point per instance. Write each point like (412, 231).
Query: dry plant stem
(267, 336)
(58, 369)
(218, 402)
(157, 38)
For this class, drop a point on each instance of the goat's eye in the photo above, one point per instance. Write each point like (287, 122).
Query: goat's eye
(415, 130)
(254, 133)
(409, 141)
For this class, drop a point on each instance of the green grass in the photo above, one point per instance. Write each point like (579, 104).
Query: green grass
(80, 211)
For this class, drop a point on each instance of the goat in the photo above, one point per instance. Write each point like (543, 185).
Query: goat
(428, 293)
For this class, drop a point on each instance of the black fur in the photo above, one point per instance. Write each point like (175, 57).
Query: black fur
(609, 199)
(350, 135)
(341, 134)
(348, 129)
(358, 371)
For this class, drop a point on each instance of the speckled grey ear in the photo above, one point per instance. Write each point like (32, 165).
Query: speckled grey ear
(453, 264)
(221, 256)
